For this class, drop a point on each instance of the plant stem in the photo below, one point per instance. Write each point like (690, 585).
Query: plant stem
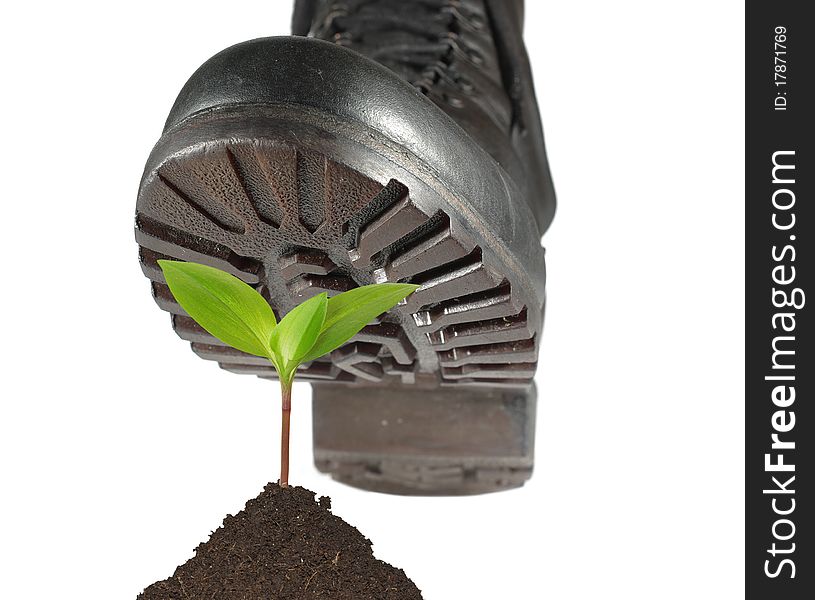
(285, 389)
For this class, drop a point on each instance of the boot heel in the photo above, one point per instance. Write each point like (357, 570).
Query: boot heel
(425, 441)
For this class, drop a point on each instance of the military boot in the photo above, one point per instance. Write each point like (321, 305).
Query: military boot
(387, 140)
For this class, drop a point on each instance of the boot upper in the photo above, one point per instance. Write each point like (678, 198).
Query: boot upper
(467, 56)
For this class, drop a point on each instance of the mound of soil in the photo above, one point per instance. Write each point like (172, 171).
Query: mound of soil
(285, 545)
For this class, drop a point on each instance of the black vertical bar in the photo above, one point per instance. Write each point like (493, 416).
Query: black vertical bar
(780, 363)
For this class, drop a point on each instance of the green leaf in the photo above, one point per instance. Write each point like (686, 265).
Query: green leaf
(225, 306)
(296, 333)
(350, 311)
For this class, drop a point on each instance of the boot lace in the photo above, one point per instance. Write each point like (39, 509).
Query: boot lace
(418, 39)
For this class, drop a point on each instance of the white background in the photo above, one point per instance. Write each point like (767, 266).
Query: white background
(121, 450)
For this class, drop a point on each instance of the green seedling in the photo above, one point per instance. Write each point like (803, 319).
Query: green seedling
(239, 316)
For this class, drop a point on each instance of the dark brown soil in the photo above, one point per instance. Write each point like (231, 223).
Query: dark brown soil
(284, 545)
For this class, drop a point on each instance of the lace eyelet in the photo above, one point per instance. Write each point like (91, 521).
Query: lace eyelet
(475, 56)
(343, 38)
(464, 84)
(453, 101)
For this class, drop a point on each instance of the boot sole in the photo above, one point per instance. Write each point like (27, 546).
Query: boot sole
(296, 200)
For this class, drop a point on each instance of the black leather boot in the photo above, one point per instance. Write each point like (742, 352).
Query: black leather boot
(399, 142)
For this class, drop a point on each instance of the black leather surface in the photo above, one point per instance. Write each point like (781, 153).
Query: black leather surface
(335, 80)
(303, 72)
